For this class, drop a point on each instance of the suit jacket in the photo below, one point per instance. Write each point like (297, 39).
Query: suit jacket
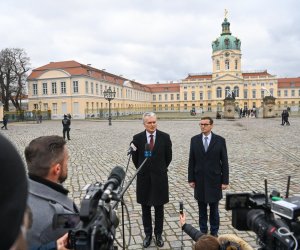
(209, 170)
(152, 186)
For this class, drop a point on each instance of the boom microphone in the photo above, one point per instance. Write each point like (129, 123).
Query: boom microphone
(114, 181)
(131, 149)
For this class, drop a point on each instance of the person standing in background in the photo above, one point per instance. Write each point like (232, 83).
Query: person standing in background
(5, 121)
(66, 122)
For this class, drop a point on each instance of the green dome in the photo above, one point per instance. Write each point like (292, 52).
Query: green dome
(226, 41)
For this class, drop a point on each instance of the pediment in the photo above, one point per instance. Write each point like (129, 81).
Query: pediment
(228, 77)
(127, 84)
(57, 73)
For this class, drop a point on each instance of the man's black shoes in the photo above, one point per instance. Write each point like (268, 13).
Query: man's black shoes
(147, 241)
(159, 241)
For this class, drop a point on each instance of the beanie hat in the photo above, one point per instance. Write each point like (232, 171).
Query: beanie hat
(13, 193)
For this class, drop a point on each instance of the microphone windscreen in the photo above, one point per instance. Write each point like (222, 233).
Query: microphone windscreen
(117, 173)
(147, 147)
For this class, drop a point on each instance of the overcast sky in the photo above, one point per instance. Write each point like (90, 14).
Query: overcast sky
(153, 40)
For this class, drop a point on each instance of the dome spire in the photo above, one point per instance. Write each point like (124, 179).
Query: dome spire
(225, 25)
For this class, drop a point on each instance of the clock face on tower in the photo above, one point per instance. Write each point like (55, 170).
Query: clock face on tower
(227, 54)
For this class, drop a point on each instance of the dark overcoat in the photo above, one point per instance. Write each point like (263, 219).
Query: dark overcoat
(209, 170)
(152, 186)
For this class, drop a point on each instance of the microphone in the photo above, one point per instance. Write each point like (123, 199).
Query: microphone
(147, 152)
(114, 181)
(131, 149)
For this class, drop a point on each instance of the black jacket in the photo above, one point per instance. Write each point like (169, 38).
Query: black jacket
(152, 181)
(209, 170)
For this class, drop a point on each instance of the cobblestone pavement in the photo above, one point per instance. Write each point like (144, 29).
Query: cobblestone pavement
(257, 149)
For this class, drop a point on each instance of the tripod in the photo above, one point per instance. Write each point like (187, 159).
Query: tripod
(123, 192)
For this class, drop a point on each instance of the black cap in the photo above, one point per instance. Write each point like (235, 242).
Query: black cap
(13, 193)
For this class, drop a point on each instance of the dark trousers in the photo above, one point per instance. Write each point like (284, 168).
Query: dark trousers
(214, 217)
(68, 133)
(147, 219)
(4, 125)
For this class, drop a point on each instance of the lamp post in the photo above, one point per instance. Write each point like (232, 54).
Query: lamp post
(109, 95)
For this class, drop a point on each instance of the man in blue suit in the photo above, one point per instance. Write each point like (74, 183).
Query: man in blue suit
(208, 174)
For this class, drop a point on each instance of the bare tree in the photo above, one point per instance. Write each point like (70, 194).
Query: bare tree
(14, 65)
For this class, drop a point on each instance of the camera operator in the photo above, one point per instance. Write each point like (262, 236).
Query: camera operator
(47, 158)
(15, 216)
(208, 242)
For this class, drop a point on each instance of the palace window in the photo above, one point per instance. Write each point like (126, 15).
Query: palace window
(218, 65)
(54, 108)
(293, 92)
(245, 93)
(219, 92)
(236, 64)
(35, 88)
(254, 93)
(86, 87)
(208, 95)
(193, 96)
(236, 91)
(75, 86)
(227, 91)
(201, 95)
(227, 64)
(54, 90)
(63, 88)
(185, 96)
(92, 88)
(97, 90)
(45, 89)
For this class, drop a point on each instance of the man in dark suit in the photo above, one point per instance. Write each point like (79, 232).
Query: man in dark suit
(152, 181)
(208, 173)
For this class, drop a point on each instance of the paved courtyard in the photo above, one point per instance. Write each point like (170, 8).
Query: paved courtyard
(257, 149)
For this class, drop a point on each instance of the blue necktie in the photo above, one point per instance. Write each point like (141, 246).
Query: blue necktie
(205, 143)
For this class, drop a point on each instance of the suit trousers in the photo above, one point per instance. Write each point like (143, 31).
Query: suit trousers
(214, 217)
(147, 219)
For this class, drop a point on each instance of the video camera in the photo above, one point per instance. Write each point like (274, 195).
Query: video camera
(273, 219)
(94, 227)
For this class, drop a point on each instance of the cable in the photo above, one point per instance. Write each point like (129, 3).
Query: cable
(288, 233)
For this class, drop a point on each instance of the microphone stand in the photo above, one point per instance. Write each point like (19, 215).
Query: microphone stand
(123, 192)
(122, 201)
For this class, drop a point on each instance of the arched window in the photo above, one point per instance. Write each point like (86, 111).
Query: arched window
(218, 65)
(226, 64)
(219, 92)
(227, 91)
(236, 91)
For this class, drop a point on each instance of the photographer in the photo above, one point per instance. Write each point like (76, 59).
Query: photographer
(208, 242)
(15, 220)
(47, 158)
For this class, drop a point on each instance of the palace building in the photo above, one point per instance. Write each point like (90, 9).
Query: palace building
(78, 89)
